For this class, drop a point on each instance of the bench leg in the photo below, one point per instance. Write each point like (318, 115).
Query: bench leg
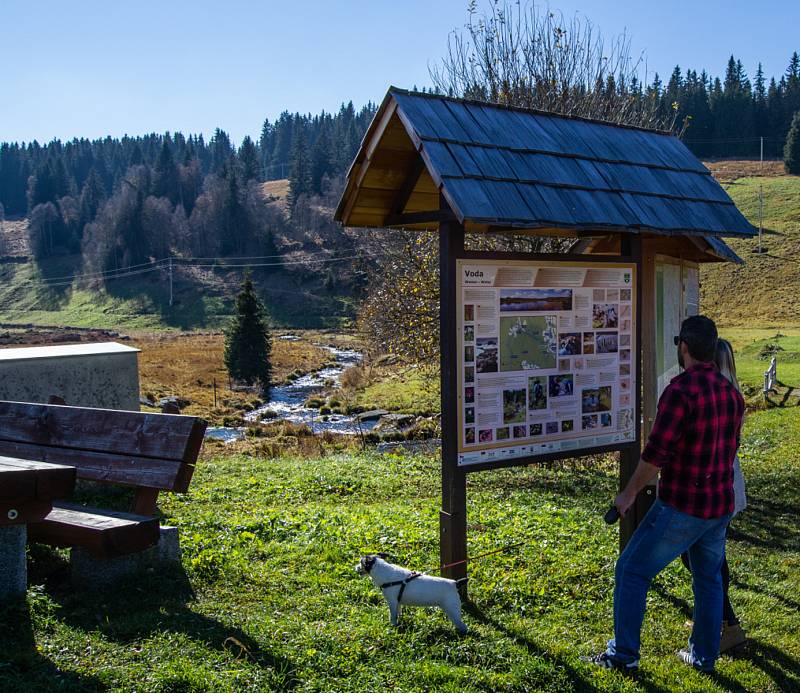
(89, 572)
(13, 568)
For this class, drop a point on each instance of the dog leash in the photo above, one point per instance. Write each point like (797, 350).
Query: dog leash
(415, 574)
(482, 555)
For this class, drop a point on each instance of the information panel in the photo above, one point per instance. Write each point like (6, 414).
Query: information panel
(547, 357)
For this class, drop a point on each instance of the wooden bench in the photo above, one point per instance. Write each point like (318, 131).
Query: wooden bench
(148, 452)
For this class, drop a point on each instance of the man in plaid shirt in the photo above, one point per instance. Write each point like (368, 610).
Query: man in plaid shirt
(693, 444)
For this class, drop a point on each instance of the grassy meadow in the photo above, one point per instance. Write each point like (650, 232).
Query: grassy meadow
(763, 292)
(43, 294)
(187, 365)
(267, 598)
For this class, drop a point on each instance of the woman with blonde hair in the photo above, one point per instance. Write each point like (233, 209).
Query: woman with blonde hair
(732, 633)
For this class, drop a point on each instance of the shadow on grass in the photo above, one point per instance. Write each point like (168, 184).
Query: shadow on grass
(783, 669)
(188, 310)
(769, 524)
(578, 680)
(790, 397)
(685, 608)
(55, 285)
(790, 604)
(22, 668)
(152, 603)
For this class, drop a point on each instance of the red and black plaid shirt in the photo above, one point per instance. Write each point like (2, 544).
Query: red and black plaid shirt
(694, 441)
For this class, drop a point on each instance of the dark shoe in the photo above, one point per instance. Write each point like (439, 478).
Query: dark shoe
(687, 657)
(732, 636)
(604, 661)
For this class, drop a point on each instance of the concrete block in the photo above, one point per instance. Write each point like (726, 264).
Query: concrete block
(13, 569)
(89, 572)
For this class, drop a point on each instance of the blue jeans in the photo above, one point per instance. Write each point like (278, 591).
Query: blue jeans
(664, 534)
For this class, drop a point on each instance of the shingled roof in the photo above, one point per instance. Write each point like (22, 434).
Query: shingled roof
(510, 168)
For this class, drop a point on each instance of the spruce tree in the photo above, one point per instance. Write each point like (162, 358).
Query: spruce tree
(249, 163)
(234, 229)
(300, 179)
(247, 341)
(221, 151)
(165, 175)
(791, 150)
(93, 195)
(136, 158)
(321, 153)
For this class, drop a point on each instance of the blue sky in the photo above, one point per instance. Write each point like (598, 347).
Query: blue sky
(88, 68)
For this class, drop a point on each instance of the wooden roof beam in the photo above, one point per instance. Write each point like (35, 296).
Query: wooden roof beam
(372, 145)
(404, 194)
(410, 218)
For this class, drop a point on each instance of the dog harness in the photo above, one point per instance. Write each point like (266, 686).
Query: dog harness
(402, 583)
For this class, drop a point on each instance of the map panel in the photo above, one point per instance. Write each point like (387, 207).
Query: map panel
(528, 343)
(546, 358)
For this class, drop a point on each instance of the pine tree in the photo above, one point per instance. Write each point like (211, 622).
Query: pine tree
(300, 179)
(93, 195)
(247, 341)
(221, 151)
(265, 142)
(136, 158)
(234, 231)
(791, 90)
(321, 153)
(791, 150)
(249, 165)
(165, 175)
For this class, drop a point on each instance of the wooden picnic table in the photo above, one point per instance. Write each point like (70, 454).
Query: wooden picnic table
(27, 492)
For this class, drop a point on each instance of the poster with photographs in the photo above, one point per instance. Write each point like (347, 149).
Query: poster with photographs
(546, 357)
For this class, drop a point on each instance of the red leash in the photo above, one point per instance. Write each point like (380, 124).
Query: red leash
(482, 555)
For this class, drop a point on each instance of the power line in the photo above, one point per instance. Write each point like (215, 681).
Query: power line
(101, 273)
(163, 263)
(189, 262)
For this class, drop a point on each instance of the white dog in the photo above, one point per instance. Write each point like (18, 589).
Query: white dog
(402, 587)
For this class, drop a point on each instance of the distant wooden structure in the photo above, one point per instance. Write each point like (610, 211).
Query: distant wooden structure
(430, 162)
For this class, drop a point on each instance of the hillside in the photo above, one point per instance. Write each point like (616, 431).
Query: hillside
(764, 291)
(299, 294)
(759, 294)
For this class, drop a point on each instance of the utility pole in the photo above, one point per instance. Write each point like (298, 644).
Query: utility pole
(170, 281)
(761, 198)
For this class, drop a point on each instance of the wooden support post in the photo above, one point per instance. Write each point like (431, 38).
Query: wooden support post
(453, 517)
(631, 246)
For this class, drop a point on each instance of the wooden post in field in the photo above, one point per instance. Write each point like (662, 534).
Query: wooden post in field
(453, 517)
(644, 363)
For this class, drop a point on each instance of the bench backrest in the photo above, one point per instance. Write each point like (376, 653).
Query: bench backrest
(154, 451)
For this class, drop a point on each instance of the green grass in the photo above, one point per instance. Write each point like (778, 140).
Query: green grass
(751, 346)
(408, 391)
(142, 302)
(763, 292)
(268, 598)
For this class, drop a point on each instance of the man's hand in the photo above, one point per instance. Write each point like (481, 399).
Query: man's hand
(642, 475)
(624, 501)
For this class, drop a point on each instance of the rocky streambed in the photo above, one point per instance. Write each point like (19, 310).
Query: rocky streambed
(288, 402)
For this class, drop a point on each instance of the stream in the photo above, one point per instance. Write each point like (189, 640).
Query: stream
(288, 401)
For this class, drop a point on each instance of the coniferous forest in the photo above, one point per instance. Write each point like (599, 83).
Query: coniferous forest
(124, 201)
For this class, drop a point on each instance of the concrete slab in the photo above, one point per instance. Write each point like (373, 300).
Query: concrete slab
(13, 569)
(89, 572)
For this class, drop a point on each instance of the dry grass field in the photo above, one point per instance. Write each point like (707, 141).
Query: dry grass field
(277, 191)
(728, 170)
(14, 237)
(186, 365)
